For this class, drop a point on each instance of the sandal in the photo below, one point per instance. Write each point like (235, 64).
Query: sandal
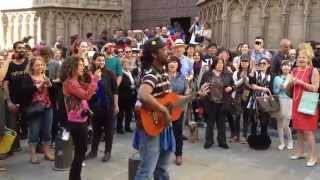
(34, 160)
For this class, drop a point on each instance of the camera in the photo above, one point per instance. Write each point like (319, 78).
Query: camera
(87, 113)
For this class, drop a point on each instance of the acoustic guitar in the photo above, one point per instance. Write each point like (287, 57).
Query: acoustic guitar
(153, 122)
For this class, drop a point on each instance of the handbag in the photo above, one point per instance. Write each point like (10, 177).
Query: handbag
(199, 38)
(34, 109)
(7, 140)
(268, 103)
(308, 103)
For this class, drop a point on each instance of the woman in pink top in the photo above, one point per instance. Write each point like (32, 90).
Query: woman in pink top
(78, 87)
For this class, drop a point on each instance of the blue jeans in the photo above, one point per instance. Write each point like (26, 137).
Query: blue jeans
(154, 161)
(41, 125)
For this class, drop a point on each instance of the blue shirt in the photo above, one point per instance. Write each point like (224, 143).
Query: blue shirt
(257, 56)
(277, 82)
(179, 84)
(186, 66)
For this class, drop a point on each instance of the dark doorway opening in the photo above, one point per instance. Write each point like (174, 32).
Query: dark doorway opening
(184, 23)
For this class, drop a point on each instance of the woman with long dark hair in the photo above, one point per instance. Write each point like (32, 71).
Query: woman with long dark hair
(103, 104)
(240, 98)
(78, 87)
(220, 88)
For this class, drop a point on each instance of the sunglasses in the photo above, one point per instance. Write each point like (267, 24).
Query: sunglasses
(128, 52)
(245, 60)
(258, 42)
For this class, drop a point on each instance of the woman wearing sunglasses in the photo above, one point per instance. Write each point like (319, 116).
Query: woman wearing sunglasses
(260, 82)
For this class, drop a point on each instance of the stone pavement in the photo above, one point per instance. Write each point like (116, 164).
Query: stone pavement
(238, 163)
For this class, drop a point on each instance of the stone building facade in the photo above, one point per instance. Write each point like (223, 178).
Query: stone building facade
(235, 21)
(149, 13)
(48, 19)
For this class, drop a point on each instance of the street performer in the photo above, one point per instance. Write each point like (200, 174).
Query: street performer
(155, 150)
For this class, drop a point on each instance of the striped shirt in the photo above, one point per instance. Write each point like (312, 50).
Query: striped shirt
(158, 80)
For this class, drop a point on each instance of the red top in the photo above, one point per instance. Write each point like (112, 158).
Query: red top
(302, 121)
(41, 95)
(76, 97)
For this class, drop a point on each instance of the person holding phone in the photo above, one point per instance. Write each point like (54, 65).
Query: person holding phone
(195, 29)
(103, 105)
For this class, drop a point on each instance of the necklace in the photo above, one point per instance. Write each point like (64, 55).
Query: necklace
(296, 95)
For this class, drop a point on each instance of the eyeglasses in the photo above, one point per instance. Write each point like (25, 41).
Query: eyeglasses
(263, 63)
(244, 60)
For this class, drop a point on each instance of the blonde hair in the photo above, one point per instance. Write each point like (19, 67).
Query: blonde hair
(33, 61)
(306, 48)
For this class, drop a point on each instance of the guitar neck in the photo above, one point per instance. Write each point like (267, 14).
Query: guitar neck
(184, 100)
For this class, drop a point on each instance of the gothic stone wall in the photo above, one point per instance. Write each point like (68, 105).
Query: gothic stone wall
(235, 21)
(149, 13)
(48, 19)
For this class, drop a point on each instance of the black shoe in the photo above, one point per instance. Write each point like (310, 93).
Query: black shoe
(106, 157)
(120, 131)
(129, 130)
(91, 155)
(224, 146)
(185, 138)
(207, 145)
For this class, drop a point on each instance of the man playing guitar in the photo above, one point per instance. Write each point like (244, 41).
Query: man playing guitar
(155, 150)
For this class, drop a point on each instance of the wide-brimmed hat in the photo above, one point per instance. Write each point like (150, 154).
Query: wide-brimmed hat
(179, 43)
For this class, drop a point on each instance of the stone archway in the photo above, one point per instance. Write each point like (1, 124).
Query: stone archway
(74, 24)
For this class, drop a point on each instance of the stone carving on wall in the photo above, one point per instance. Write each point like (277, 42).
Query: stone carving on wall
(49, 22)
(235, 21)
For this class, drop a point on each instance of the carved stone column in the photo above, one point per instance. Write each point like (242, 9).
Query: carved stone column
(50, 27)
(39, 29)
(245, 26)
(16, 28)
(265, 28)
(31, 28)
(9, 30)
(1, 33)
(285, 24)
(126, 14)
(306, 23)
(23, 26)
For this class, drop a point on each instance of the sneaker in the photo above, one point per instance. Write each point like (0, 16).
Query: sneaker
(281, 147)
(290, 145)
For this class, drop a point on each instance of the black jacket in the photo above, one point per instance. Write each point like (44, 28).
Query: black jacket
(126, 93)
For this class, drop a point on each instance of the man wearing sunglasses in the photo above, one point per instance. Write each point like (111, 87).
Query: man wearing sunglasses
(259, 52)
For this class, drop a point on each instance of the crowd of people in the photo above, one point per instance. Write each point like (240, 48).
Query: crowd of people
(97, 82)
